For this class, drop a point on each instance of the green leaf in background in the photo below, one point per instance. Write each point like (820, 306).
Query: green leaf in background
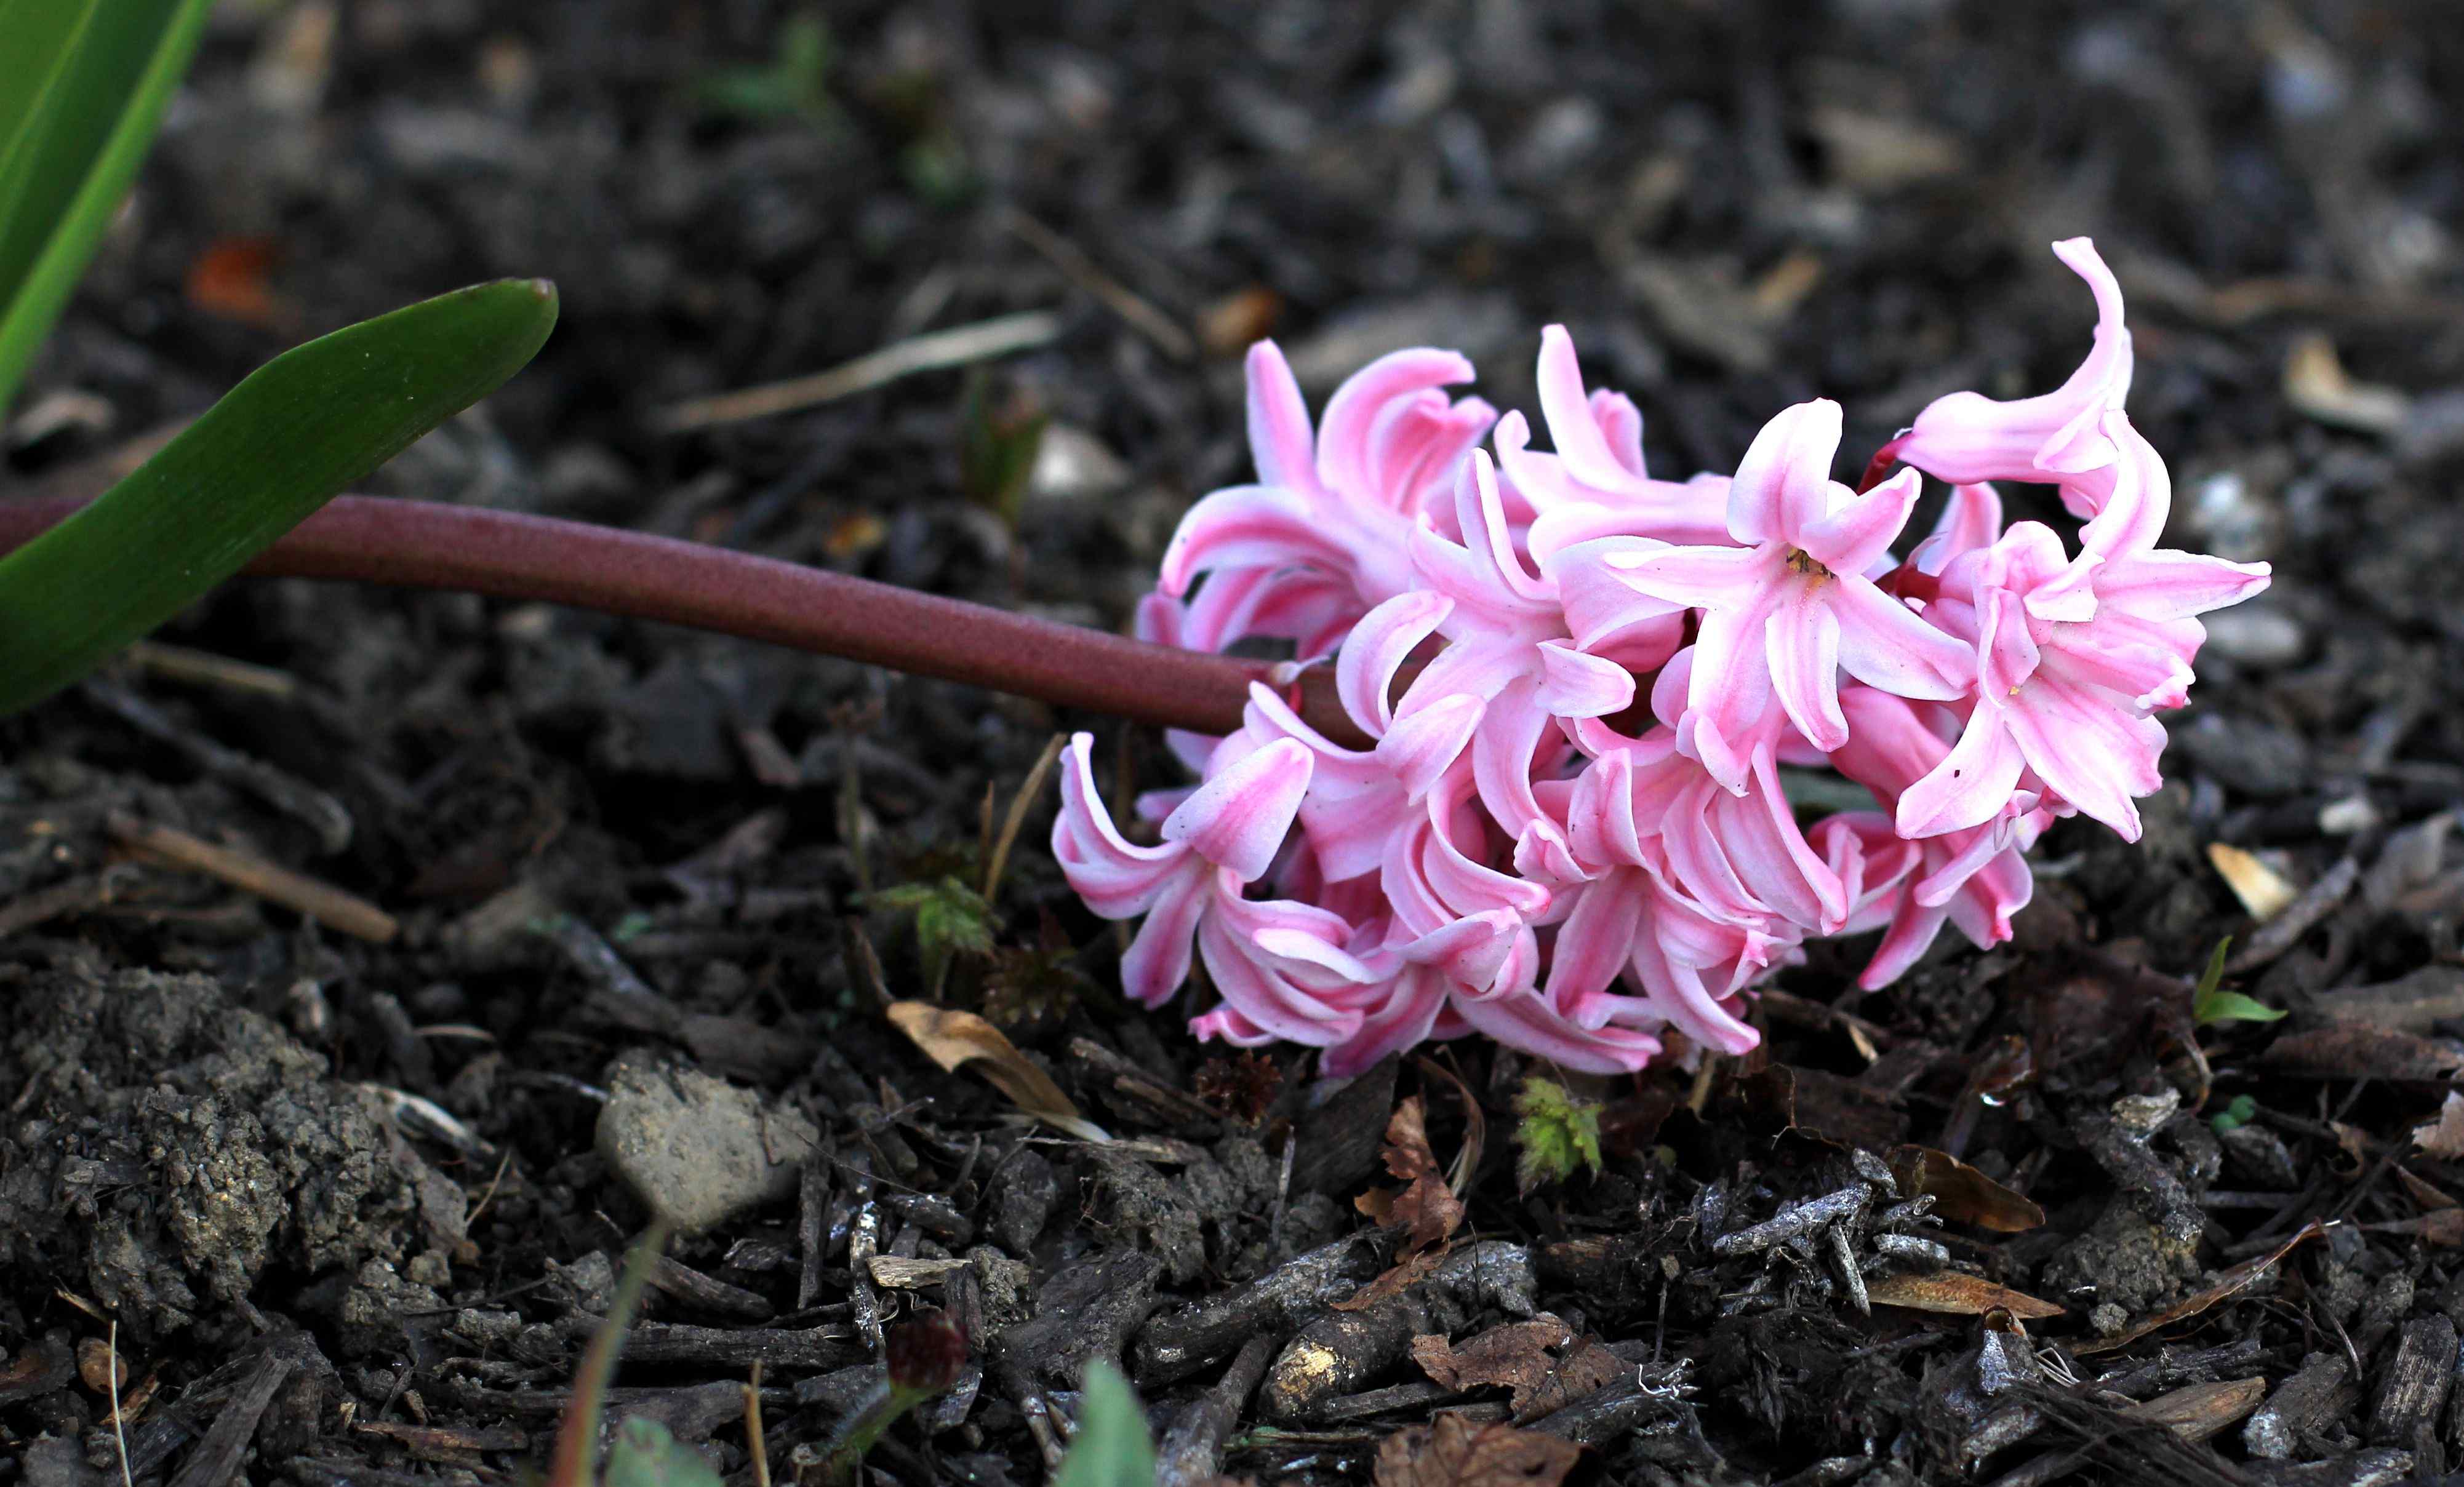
(2210, 1005)
(1112, 1448)
(87, 82)
(645, 1454)
(276, 448)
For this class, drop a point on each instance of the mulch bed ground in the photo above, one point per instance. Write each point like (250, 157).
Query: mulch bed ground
(346, 1203)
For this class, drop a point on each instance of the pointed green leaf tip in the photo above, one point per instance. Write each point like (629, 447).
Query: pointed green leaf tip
(1113, 1447)
(278, 446)
(1558, 1135)
(2210, 1005)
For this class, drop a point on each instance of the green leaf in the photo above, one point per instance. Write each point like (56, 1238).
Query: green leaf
(796, 81)
(951, 919)
(277, 446)
(1112, 1448)
(2208, 1005)
(2233, 1007)
(2239, 1112)
(644, 1455)
(1558, 1136)
(84, 113)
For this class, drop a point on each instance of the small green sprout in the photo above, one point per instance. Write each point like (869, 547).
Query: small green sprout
(952, 919)
(794, 83)
(2210, 1005)
(2239, 1112)
(1557, 1134)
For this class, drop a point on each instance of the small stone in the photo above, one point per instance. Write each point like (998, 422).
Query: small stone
(429, 1267)
(695, 1149)
(2257, 636)
(2108, 1320)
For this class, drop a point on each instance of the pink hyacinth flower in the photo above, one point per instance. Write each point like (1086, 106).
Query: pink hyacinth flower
(2053, 438)
(1791, 609)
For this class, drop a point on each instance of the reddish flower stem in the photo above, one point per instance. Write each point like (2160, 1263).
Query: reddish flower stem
(507, 554)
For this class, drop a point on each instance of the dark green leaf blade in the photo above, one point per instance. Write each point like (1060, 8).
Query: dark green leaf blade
(277, 446)
(43, 43)
(1113, 1447)
(83, 140)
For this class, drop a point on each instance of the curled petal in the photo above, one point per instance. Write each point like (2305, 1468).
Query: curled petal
(1970, 785)
(1884, 643)
(1572, 426)
(1574, 685)
(1250, 526)
(1157, 961)
(1239, 819)
(1403, 1013)
(2166, 585)
(1528, 1022)
(1117, 879)
(1384, 639)
(1782, 486)
(1281, 445)
(1422, 747)
(1604, 611)
(2090, 746)
(1345, 446)
(1861, 529)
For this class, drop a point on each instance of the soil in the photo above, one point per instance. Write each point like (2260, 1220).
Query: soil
(347, 1210)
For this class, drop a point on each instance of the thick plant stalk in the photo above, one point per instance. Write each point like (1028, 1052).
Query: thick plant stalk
(507, 554)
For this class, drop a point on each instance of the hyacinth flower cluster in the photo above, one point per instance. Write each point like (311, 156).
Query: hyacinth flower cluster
(1577, 686)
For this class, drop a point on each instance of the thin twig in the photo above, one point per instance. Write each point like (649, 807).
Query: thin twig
(322, 902)
(205, 668)
(118, 1427)
(508, 555)
(958, 346)
(1082, 270)
(758, 1448)
(1027, 795)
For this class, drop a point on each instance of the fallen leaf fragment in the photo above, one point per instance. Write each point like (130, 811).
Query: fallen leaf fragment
(2316, 384)
(1398, 1277)
(954, 1040)
(2444, 1137)
(2197, 1412)
(1961, 1193)
(1957, 1293)
(2352, 1050)
(1426, 1210)
(2226, 1284)
(2263, 891)
(1542, 1361)
(1455, 1453)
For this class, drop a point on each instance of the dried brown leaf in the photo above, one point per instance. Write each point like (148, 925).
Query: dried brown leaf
(1542, 1361)
(2444, 1137)
(954, 1040)
(1961, 1193)
(2226, 1284)
(2263, 891)
(1957, 1293)
(1426, 1210)
(1455, 1453)
(1397, 1280)
(2428, 1195)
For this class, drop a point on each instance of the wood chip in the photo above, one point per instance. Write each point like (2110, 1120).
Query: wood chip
(907, 1275)
(2317, 385)
(1958, 1294)
(2263, 891)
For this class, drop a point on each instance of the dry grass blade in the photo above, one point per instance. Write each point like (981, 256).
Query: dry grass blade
(1016, 820)
(956, 346)
(955, 1040)
(322, 902)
